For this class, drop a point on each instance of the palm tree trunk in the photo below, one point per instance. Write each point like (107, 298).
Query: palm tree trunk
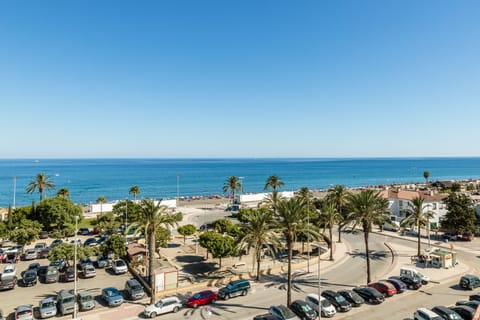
(151, 271)
(289, 270)
(367, 253)
(339, 234)
(258, 263)
(418, 244)
(220, 262)
(330, 231)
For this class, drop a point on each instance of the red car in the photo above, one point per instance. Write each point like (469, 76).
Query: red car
(201, 298)
(384, 287)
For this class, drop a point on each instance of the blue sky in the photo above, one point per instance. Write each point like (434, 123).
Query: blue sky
(239, 78)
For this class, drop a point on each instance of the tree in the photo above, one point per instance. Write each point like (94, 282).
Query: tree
(41, 183)
(328, 218)
(162, 237)
(222, 225)
(273, 182)
(305, 194)
(101, 200)
(218, 245)
(67, 251)
(426, 175)
(152, 216)
(107, 223)
(418, 217)
(232, 184)
(258, 233)
(129, 208)
(63, 193)
(115, 244)
(135, 190)
(460, 217)
(57, 212)
(187, 230)
(367, 208)
(26, 232)
(290, 217)
(338, 196)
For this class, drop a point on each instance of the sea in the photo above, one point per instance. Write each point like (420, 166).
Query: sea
(88, 179)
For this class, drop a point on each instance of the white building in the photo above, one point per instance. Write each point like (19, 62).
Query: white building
(398, 204)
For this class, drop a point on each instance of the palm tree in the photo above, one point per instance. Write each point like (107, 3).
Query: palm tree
(328, 218)
(134, 190)
(273, 182)
(416, 216)
(101, 200)
(338, 196)
(152, 216)
(41, 183)
(426, 175)
(367, 208)
(290, 219)
(63, 193)
(305, 194)
(257, 233)
(232, 184)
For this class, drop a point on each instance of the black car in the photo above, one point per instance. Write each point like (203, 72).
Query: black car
(399, 285)
(449, 236)
(352, 297)
(413, 283)
(266, 316)
(472, 304)
(7, 283)
(446, 313)
(34, 266)
(29, 278)
(465, 312)
(474, 297)
(303, 310)
(90, 242)
(370, 295)
(337, 300)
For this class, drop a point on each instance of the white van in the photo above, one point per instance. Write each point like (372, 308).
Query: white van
(413, 273)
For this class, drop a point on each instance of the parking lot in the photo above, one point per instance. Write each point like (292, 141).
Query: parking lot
(10, 299)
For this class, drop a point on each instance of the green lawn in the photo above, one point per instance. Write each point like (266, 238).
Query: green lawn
(86, 223)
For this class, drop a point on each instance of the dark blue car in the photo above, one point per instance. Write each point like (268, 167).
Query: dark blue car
(398, 284)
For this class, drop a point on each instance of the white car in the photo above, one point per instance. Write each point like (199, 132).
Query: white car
(327, 309)
(165, 305)
(9, 271)
(119, 266)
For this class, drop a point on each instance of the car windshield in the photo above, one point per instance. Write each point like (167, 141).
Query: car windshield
(306, 307)
(67, 300)
(23, 312)
(112, 293)
(51, 272)
(119, 263)
(196, 296)
(136, 287)
(86, 298)
(326, 303)
(287, 313)
(49, 304)
(229, 286)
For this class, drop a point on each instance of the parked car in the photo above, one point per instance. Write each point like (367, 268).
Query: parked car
(24, 312)
(48, 275)
(34, 266)
(337, 300)
(369, 294)
(282, 312)
(399, 285)
(446, 313)
(60, 264)
(474, 297)
(467, 237)
(448, 236)
(44, 253)
(412, 283)
(266, 316)
(84, 231)
(326, 308)
(102, 262)
(84, 262)
(85, 301)
(43, 235)
(234, 288)
(30, 254)
(40, 246)
(7, 283)
(55, 243)
(465, 312)
(65, 302)
(469, 282)
(9, 271)
(134, 289)
(164, 305)
(384, 287)
(90, 242)
(89, 271)
(303, 310)
(119, 266)
(425, 314)
(1, 315)
(47, 308)
(112, 297)
(29, 278)
(472, 304)
(201, 298)
(352, 297)
(69, 275)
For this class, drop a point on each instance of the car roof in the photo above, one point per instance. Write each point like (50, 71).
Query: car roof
(84, 293)
(133, 281)
(64, 293)
(442, 309)
(47, 299)
(24, 307)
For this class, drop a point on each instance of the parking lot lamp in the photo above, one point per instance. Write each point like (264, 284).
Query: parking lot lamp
(75, 269)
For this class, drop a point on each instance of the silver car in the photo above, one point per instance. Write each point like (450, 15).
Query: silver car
(24, 312)
(47, 308)
(30, 254)
(165, 305)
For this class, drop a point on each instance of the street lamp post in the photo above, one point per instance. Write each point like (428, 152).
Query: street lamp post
(14, 190)
(126, 219)
(75, 269)
(178, 188)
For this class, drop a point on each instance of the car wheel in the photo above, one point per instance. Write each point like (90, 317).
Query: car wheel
(227, 296)
(195, 306)
(153, 315)
(213, 300)
(244, 292)
(175, 310)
